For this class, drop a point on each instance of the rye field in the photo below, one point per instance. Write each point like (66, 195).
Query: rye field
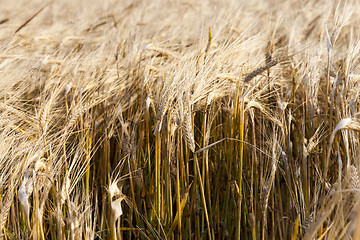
(171, 119)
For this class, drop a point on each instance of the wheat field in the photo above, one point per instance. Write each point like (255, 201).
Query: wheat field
(172, 119)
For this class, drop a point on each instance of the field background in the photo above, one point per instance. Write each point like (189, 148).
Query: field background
(179, 119)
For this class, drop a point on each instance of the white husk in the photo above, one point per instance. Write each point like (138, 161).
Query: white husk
(24, 193)
(116, 208)
(115, 193)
